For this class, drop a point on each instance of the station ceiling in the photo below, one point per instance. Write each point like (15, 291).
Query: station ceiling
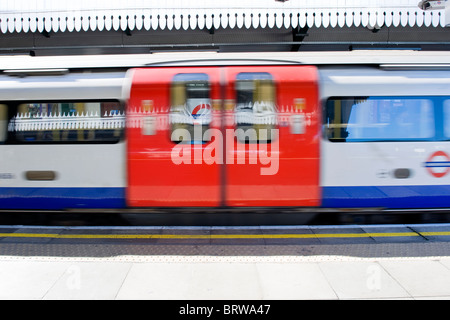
(135, 26)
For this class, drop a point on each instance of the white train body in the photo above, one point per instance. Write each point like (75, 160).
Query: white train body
(63, 124)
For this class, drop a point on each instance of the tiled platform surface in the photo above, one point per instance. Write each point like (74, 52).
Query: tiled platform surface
(251, 263)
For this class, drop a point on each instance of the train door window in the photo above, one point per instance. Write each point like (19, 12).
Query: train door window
(190, 108)
(354, 119)
(255, 113)
(68, 122)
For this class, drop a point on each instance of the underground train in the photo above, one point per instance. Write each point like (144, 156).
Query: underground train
(215, 130)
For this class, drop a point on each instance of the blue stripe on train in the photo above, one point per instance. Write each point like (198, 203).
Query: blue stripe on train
(395, 197)
(61, 198)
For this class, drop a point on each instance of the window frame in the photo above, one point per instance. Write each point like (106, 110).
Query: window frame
(241, 130)
(192, 129)
(436, 107)
(13, 107)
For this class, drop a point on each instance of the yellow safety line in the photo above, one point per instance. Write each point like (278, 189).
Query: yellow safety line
(436, 233)
(222, 236)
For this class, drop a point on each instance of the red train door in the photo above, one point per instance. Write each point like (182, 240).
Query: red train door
(234, 136)
(273, 159)
(171, 113)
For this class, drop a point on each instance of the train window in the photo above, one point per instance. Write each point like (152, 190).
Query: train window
(447, 118)
(353, 119)
(3, 122)
(190, 108)
(67, 122)
(255, 112)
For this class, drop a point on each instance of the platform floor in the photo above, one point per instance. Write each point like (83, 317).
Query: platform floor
(226, 263)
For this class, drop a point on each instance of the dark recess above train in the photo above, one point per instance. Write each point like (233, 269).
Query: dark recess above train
(138, 26)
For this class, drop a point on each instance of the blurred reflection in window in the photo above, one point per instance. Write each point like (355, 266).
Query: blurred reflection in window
(190, 108)
(447, 119)
(379, 119)
(255, 107)
(65, 122)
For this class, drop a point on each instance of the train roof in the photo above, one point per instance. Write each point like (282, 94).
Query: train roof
(20, 65)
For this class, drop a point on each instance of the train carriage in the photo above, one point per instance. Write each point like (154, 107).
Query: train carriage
(291, 130)
(385, 138)
(62, 143)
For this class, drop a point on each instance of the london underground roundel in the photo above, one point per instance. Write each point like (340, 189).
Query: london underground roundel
(438, 164)
(200, 110)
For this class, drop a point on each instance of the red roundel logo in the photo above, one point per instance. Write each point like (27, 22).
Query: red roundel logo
(438, 164)
(200, 110)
